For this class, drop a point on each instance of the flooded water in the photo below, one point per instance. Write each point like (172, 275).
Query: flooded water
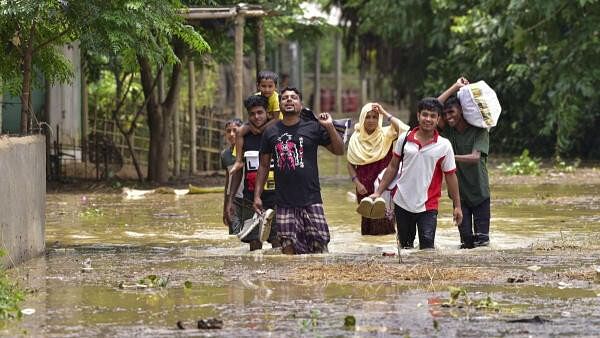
(182, 239)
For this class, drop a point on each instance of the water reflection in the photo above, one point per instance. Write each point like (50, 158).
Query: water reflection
(182, 238)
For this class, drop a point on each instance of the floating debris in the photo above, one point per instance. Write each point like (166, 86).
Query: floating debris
(534, 320)
(349, 321)
(204, 190)
(28, 311)
(210, 324)
(135, 193)
(564, 285)
(87, 265)
(518, 279)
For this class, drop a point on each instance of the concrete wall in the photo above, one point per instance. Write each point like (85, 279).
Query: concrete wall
(22, 197)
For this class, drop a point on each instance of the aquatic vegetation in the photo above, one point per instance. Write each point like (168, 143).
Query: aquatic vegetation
(150, 281)
(349, 321)
(459, 297)
(522, 165)
(153, 281)
(311, 323)
(92, 211)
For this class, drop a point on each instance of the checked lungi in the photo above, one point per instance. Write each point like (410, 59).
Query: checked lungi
(305, 228)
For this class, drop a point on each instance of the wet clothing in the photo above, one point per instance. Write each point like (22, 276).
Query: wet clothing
(252, 143)
(408, 222)
(227, 158)
(227, 161)
(472, 178)
(473, 183)
(303, 227)
(299, 215)
(367, 174)
(475, 226)
(294, 152)
(419, 186)
(423, 167)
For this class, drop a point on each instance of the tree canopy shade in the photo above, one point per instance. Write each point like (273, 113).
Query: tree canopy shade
(541, 56)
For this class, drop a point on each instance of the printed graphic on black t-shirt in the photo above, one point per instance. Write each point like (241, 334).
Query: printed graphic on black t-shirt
(294, 151)
(288, 154)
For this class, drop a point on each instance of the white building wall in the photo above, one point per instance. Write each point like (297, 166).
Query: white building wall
(64, 101)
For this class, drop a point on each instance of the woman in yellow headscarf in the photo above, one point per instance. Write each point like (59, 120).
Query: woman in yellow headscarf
(369, 152)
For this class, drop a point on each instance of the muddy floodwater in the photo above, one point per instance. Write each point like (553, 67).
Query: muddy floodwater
(122, 267)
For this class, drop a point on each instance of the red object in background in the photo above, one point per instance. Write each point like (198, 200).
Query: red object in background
(351, 102)
(345, 95)
(327, 100)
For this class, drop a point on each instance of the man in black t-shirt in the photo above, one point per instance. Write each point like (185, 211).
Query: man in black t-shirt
(292, 143)
(256, 105)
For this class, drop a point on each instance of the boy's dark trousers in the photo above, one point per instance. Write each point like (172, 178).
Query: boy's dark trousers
(479, 216)
(407, 223)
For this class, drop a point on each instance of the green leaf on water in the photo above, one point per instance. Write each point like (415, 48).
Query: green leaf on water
(187, 284)
(349, 321)
(162, 282)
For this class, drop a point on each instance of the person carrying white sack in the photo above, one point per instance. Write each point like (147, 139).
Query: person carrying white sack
(369, 152)
(471, 145)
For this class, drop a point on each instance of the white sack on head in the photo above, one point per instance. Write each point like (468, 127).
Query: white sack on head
(480, 105)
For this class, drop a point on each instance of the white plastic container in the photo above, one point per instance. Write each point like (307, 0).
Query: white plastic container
(252, 160)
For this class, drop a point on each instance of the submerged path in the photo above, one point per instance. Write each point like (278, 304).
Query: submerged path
(135, 267)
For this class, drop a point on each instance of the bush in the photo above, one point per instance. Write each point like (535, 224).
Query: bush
(522, 165)
(562, 166)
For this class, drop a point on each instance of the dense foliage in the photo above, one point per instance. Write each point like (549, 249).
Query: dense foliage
(541, 56)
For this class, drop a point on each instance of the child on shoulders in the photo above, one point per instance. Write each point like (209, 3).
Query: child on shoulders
(266, 84)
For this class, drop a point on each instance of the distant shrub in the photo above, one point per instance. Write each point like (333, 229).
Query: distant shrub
(522, 165)
(562, 166)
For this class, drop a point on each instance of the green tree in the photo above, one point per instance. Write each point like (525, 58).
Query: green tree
(149, 33)
(540, 56)
(30, 32)
(148, 37)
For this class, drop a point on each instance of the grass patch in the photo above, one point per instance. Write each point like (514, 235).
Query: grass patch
(374, 271)
(10, 297)
(590, 241)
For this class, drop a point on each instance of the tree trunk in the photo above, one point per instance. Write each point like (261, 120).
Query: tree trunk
(238, 74)
(192, 112)
(160, 134)
(260, 45)
(26, 91)
(317, 94)
(138, 170)
(160, 115)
